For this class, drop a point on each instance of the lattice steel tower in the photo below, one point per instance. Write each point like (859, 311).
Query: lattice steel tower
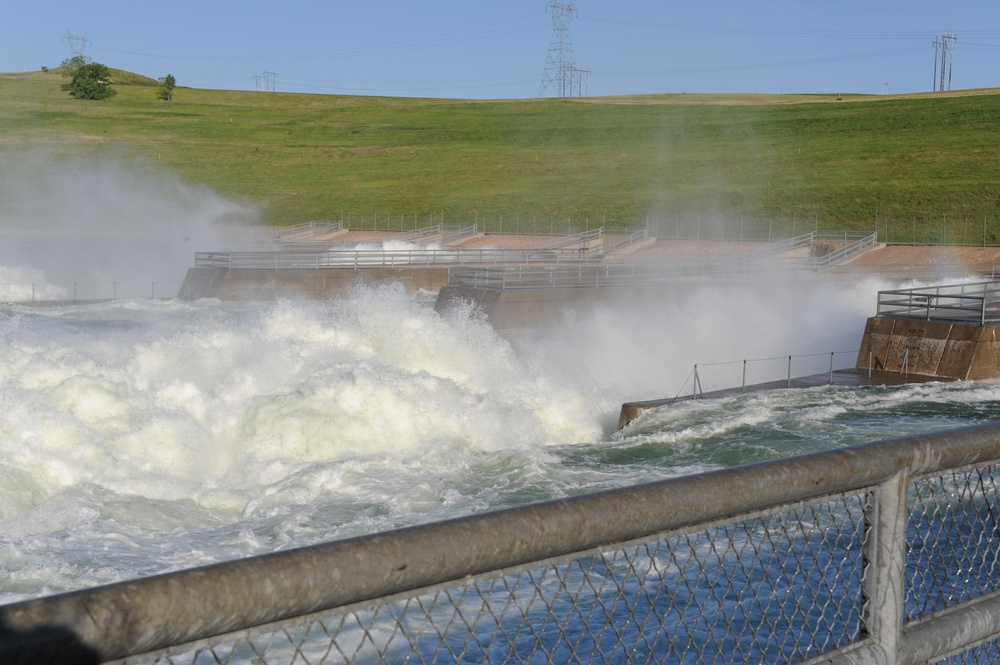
(561, 71)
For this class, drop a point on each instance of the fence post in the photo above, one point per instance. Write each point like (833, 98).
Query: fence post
(789, 371)
(885, 552)
(744, 388)
(831, 367)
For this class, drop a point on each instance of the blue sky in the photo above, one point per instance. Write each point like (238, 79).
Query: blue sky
(481, 50)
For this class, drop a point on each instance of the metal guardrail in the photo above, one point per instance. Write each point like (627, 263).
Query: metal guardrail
(28, 292)
(422, 234)
(977, 302)
(649, 273)
(459, 233)
(882, 553)
(306, 231)
(584, 242)
(695, 377)
(288, 260)
(844, 253)
(626, 241)
(609, 275)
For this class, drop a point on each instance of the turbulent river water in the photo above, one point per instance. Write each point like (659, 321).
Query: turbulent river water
(144, 436)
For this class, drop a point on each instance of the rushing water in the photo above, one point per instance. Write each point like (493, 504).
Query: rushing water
(142, 436)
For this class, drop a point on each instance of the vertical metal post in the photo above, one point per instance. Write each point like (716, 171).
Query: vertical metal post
(789, 371)
(831, 367)
(744, 388)
(884, 555)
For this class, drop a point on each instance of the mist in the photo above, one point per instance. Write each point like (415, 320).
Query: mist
(644, 348)
(106, 216)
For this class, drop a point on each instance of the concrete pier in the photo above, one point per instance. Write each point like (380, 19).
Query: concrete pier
(938, 349)
(852, 377)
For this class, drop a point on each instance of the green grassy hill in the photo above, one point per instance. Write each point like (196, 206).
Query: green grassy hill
(925, 161)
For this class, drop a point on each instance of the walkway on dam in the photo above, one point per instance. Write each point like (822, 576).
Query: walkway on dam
(850, 378)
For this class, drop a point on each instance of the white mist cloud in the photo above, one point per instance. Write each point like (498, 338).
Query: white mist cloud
(106, 216)
(640, 348)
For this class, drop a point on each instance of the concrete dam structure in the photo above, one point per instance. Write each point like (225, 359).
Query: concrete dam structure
(938, 333)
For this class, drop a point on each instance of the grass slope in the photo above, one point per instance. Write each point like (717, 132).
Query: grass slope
(929, 161)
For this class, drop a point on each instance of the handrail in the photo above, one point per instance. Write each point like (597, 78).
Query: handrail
(140, 616)
(629, 239)
(420, 234)
(976, 302)
(285, 260)
(37, 292)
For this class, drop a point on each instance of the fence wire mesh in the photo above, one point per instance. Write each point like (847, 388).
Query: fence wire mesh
(775, 588)
(953, 541)
(983, 654)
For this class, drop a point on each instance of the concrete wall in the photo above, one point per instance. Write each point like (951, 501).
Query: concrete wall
(512, 311)
(320, 284)
(931, 348)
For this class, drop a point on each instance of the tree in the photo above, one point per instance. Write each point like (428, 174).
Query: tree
(90, 81)
(74, 63)
(167, 84)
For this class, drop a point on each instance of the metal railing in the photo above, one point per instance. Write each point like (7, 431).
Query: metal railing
(585, 242)
(882, 553)
(454, 234)
(37, 292)
(770, 369)
(608, 275)
(641, 273)
(627, 240)
(844, 253)
(977, 302)
(306, 231)
(288, 260)
(424, 233)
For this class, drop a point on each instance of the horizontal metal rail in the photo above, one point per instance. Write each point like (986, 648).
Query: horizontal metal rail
(845, 253)
(880, 497)
(627, 240)
(608, 274)
(977, 302)
(289, 260)
(27, 292)
(422, 234)
(584, 241)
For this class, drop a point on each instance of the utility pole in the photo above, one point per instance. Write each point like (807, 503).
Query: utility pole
(944, 51)
(561, 72)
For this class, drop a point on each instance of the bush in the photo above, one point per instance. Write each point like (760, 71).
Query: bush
(90, 81)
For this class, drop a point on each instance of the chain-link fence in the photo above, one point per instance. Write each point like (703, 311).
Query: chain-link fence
(882, 553)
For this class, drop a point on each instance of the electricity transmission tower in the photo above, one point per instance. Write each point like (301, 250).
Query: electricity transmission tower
(265, 81)
(944, 51)
(561, 72)
(77, 44)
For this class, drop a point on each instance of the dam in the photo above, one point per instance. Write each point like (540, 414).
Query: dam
(370, 480)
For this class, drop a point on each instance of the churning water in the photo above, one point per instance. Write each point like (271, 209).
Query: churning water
(139, 436)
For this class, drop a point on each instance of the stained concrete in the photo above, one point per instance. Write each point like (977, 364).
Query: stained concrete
(939, 349)
(319, 284)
